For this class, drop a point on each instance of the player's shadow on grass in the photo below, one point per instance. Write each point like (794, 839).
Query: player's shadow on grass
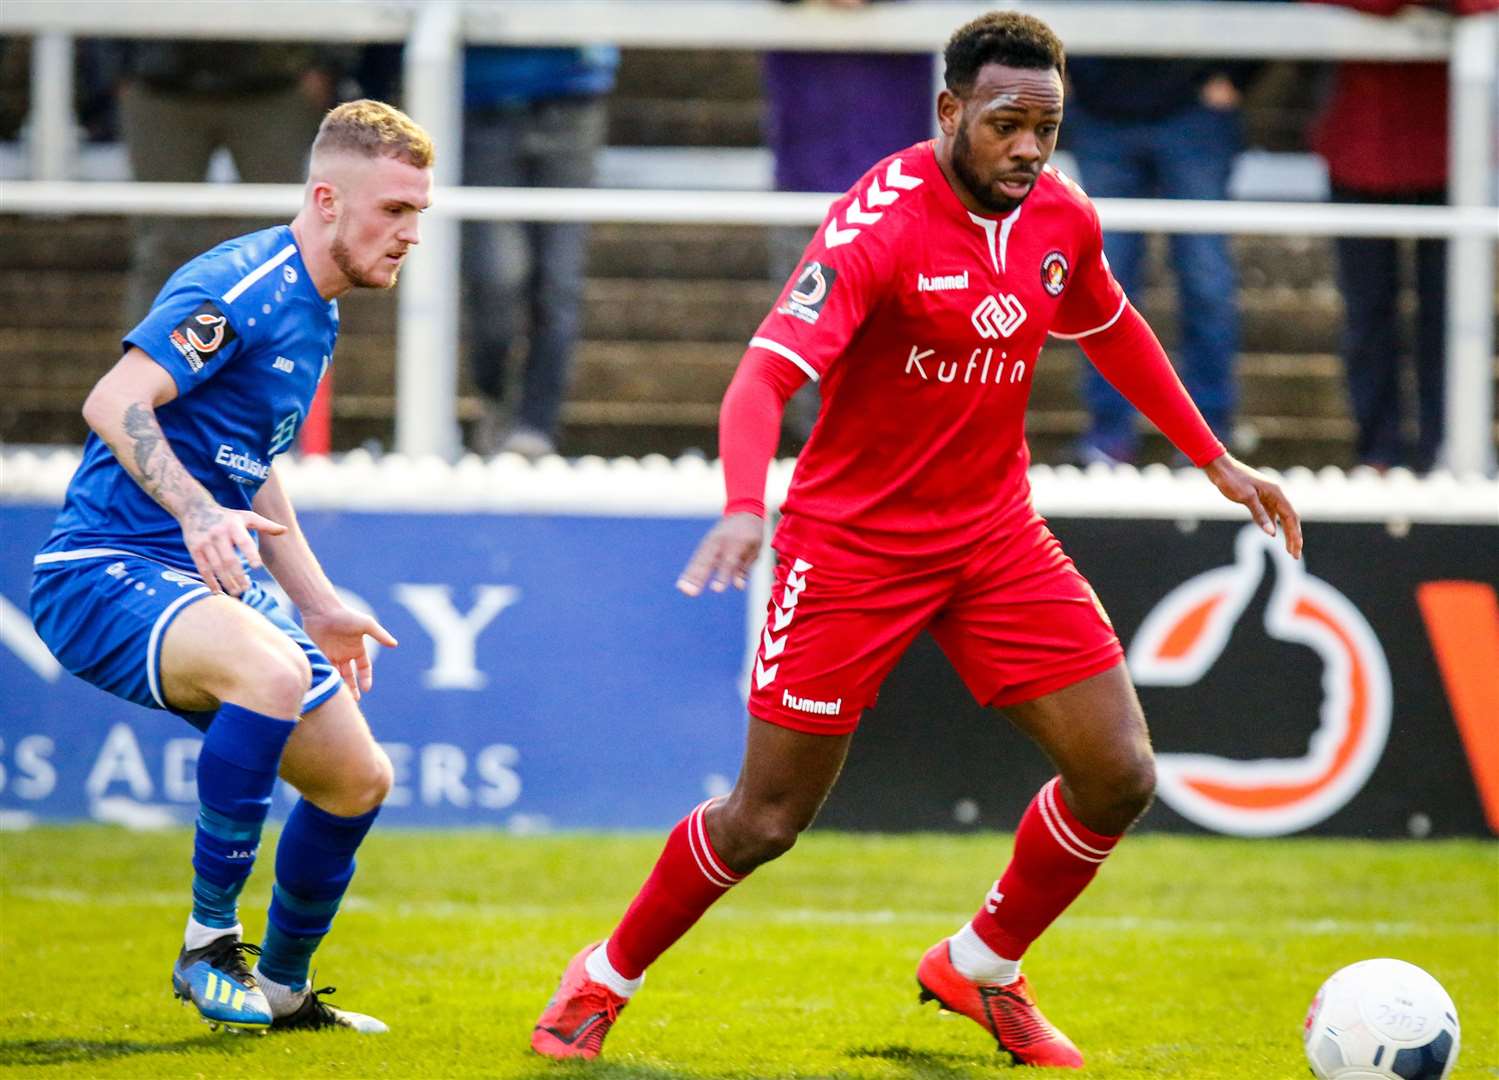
(78, 1051)
(922, 1063)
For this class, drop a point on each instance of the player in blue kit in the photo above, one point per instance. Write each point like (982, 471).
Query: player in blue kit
(143, 589)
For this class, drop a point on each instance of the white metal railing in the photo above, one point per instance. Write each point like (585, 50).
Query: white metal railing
(436, 30)
(664, 207)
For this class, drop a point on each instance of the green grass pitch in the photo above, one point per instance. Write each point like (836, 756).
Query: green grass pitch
(1189, 957)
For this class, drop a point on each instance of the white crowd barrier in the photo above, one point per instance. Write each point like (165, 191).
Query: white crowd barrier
(655, 486)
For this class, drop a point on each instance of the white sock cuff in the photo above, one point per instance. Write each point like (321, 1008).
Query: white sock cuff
(197, 935)
(601, 971)
(266, 981)
(976, 962)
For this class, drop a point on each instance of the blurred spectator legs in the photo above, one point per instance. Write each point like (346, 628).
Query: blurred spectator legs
(535, 266)
(1186, 155)
(171, 137)
(1369, 277)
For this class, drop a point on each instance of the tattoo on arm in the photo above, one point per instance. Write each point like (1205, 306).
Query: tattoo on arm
(149, 458)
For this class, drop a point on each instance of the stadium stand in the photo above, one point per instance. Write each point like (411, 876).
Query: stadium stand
(668, 308)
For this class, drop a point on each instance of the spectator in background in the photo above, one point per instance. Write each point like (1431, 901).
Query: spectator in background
(534, 118)
(809, 98)
(182, 100)
(1166, 129)
(1384, 135)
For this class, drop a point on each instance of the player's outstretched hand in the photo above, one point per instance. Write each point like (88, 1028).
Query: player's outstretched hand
(216, 538)
(1266, 503)
(725, 555)
(340, 632)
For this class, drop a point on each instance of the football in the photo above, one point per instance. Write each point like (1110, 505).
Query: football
(1381, 1020)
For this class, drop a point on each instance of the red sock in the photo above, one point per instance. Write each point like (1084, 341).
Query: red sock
(688, 877)
(1054, 859)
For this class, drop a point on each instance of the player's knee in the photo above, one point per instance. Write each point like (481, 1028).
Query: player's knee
(1109, 795)
(273, 676)
(766, 836)
(379, 778)
(359, 788)
(364, 786)
(1134, 786)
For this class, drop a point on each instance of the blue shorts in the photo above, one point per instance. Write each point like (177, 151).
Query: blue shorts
(103, 613)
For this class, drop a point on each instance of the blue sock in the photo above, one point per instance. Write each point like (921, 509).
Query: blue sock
(236, 774)
(314, 864)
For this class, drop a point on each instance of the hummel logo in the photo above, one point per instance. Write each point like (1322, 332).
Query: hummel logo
(942, 282)
(807, 705)
(780, 619)
(999, 315)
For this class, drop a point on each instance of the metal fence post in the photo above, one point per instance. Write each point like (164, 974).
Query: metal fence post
(1470, 257)
(427, 328)
(54, 129)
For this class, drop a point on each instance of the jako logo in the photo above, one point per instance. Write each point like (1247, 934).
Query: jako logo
(999, 315)
(1183, 636)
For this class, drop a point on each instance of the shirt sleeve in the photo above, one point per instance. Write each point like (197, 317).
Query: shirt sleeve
(842, 277)
(1131, 358)
(749, 426)
(190, 332)
(1093, 301)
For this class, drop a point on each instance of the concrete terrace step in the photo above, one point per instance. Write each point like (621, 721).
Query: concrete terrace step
(98, 244)
(645, 309)
(703, 75)
(684, 122)
(721, 251)
(43, 363)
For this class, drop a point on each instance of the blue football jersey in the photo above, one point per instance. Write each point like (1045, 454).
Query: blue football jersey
(247, 338)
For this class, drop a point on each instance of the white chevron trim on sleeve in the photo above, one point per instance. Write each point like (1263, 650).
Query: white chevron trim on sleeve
(874, 195)
(833, 236)
(259, 272)
(781, 350)
(857, 214)
(1123, 303)
(896, 179)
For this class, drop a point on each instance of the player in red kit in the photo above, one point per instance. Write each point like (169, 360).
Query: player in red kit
(921, 307)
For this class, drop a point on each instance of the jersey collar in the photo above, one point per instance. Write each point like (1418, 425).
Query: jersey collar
(996, 229)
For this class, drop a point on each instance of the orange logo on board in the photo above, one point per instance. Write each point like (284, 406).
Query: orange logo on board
(1183, 636)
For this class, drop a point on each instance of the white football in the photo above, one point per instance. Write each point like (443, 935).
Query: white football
(1381, 1020)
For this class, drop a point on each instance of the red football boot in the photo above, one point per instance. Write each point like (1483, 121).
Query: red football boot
(1008, 1013)
(575, 1021)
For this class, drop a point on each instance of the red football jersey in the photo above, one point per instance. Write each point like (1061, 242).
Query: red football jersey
(923, 322)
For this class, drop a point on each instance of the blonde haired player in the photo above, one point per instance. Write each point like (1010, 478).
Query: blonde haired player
(143, 588)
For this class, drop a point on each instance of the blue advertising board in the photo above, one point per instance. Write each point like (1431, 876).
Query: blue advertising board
(549, 675)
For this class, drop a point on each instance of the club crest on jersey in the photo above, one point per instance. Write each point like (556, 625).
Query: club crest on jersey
(809, 292)
(1054, 273)
(999, 315)
(201, 334)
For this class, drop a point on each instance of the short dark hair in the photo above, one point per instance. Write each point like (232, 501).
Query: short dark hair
(1000, 37)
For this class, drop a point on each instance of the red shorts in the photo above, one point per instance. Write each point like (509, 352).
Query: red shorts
(1012, 613)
